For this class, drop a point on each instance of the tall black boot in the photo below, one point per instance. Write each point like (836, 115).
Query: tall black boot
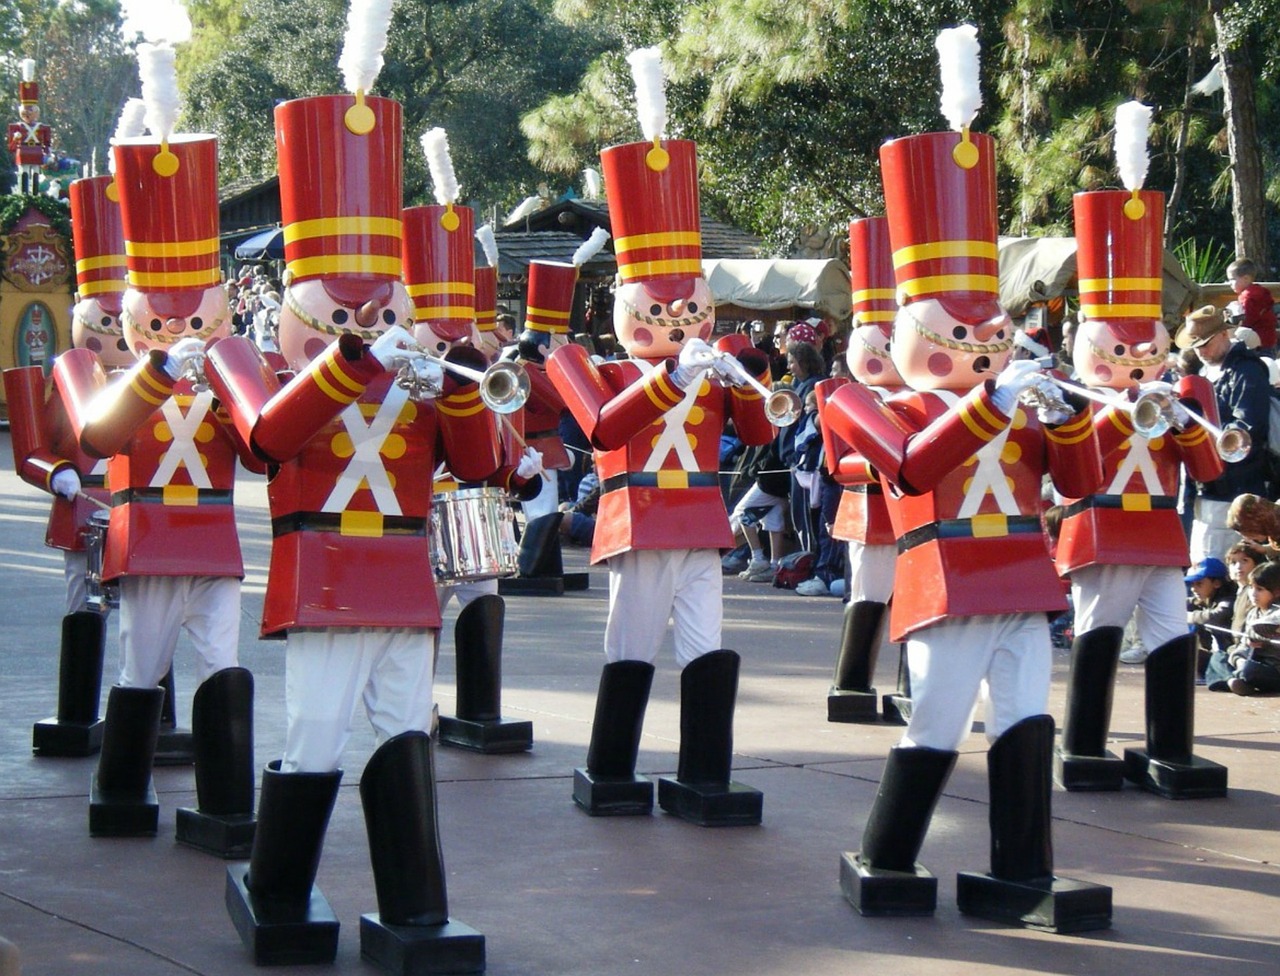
(175, 747)
(122, 801)
(1082, 761)
(222, 732)
(282, 918)
(76, 730)
(895, 707)
(410, 932)
(884, 878)
(478, 653)
(1167, 766)
(540, 562)
(1021, 888)
(851, 698)
(701, 791)
(609, 786)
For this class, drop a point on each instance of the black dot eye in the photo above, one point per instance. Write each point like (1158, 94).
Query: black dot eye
(693, 308)
(1000, 334)
(197, 322)
(441, 346)
(389, 316)
(959, 332)
(1119, 350)
(106, 321)
(155, 325)
(339, 316)
(655, 309)
(122, 345)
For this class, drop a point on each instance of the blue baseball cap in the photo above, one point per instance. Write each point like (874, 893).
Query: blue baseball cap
(1209, 568)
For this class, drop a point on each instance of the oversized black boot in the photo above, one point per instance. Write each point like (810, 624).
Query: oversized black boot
(1082, 761)
(122, 801)
(76, 730)
(411, 932)
(282, 918)
(222, 732)
(541, 562)
(895, 707)
(1167, 766)
(175, 746)
(851, 698)
(1021, 888)
(478, 652)
(701, 791)
(883, 878)
(609, 786)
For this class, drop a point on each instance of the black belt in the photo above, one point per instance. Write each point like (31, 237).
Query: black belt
(1130, 503)
(530, 434)
(93, 481)
(204, 496)
(865, 489)
(982, 527)
(332, 522)
(671, 479)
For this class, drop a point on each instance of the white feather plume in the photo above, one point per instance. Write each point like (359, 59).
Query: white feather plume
(28, 69)
(1210, 83)
(488, 244)
(1133, 121)
(361, 60)
(159, 88)
(132, 122)
(156, 20)
(651, 93)
(590, 247)
(958, 59)
(592, 184)
(435, 143)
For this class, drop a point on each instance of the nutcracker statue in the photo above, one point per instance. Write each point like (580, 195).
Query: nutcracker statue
(29, 138)
(862, 519)
(655, 421)
(1124, 548)
(439, 269)
(171, 538)
(961, 461)
(353, 440)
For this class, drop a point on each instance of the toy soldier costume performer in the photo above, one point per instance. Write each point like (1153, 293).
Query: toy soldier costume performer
(29, 138)
(974, 579)
(656, 427)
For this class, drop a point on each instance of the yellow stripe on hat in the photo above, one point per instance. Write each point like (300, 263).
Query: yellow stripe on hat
(99, 287)
(945, 249)
(101, 261)
(872, 316)
(546, 313)
(445, 311)
(874, 295)
(175, 279)
(171, 249)
(674, 238)
(940, 284)
(690, 267)
(334, 226)
(441, 288)
(1121, 311)
(345, 264)
(1120, 284)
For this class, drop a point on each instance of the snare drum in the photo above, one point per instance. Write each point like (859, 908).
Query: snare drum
(99, 595)
(473, 535)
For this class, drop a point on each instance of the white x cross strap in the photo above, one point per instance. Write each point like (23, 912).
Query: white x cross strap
(183, 449)
(366, 466)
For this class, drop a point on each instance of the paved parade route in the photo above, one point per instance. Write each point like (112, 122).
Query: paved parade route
(1196, 887)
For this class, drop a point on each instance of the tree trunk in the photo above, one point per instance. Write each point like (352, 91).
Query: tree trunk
(1180, 154)
(1239, 108)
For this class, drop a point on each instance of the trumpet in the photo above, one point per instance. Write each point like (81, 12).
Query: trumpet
(193, 371)
(782, 408)
(504, 386)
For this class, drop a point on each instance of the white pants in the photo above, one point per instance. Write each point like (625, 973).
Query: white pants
(74, 567)
(1106, 596)
(648, 588)
(871, 572)
(545, 501)
(1209, 533)
(949, 663)
(327, 671)
(154, 609)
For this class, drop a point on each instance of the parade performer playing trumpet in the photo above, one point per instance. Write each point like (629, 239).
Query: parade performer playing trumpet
(655, 421)
(1124, 548)
(962, 464)
(171, 541)
(352, 442)
(29, 139)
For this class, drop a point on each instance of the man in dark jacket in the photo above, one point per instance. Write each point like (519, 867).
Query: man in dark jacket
(1243, 386)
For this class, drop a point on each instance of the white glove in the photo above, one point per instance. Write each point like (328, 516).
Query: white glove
(1179, 416)
(182, 353)
(1056, 410)
(65, 482)
(530, 464)
(393, 347)
(428, 377)
(695, 357)
(1157, 386)
(1012, 380)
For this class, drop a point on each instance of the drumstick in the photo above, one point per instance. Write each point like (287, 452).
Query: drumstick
(96, 501)
(514, 433)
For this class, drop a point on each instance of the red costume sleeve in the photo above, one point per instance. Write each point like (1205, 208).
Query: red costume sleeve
(844, 464)
(1075, 461)
(1198, 448)
(105, 416)
(746, 405)
(469, 434)
(609, 417)
(33, 455)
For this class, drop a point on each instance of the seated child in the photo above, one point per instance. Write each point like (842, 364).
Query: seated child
(1209, 610)
(1256, 657)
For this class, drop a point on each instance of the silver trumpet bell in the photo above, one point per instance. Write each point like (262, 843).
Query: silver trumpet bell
(782, 407)
(504, 386)
(1153, 416)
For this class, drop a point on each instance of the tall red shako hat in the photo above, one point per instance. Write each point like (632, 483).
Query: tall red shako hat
(940, 198)
(871, 281)
(97, 235)
(652, 191)
(439, 252)
(549, 298)
(1120, 239)
(486, 278)
(28, 87)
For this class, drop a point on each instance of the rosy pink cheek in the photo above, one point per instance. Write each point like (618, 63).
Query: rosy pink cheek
(93, 343)
(940, 364)
(1103, 373)
(313, 348)
(642, 337)
(874, 367)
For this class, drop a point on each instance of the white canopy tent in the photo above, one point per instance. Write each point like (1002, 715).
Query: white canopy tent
(764, 285)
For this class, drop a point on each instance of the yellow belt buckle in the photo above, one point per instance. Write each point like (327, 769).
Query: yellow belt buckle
(989, 526)
(1135, 502)
(187, 496)
(673, 479)
(365, 525)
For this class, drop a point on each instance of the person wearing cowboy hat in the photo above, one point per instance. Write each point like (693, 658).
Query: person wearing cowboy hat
(1243, 387)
